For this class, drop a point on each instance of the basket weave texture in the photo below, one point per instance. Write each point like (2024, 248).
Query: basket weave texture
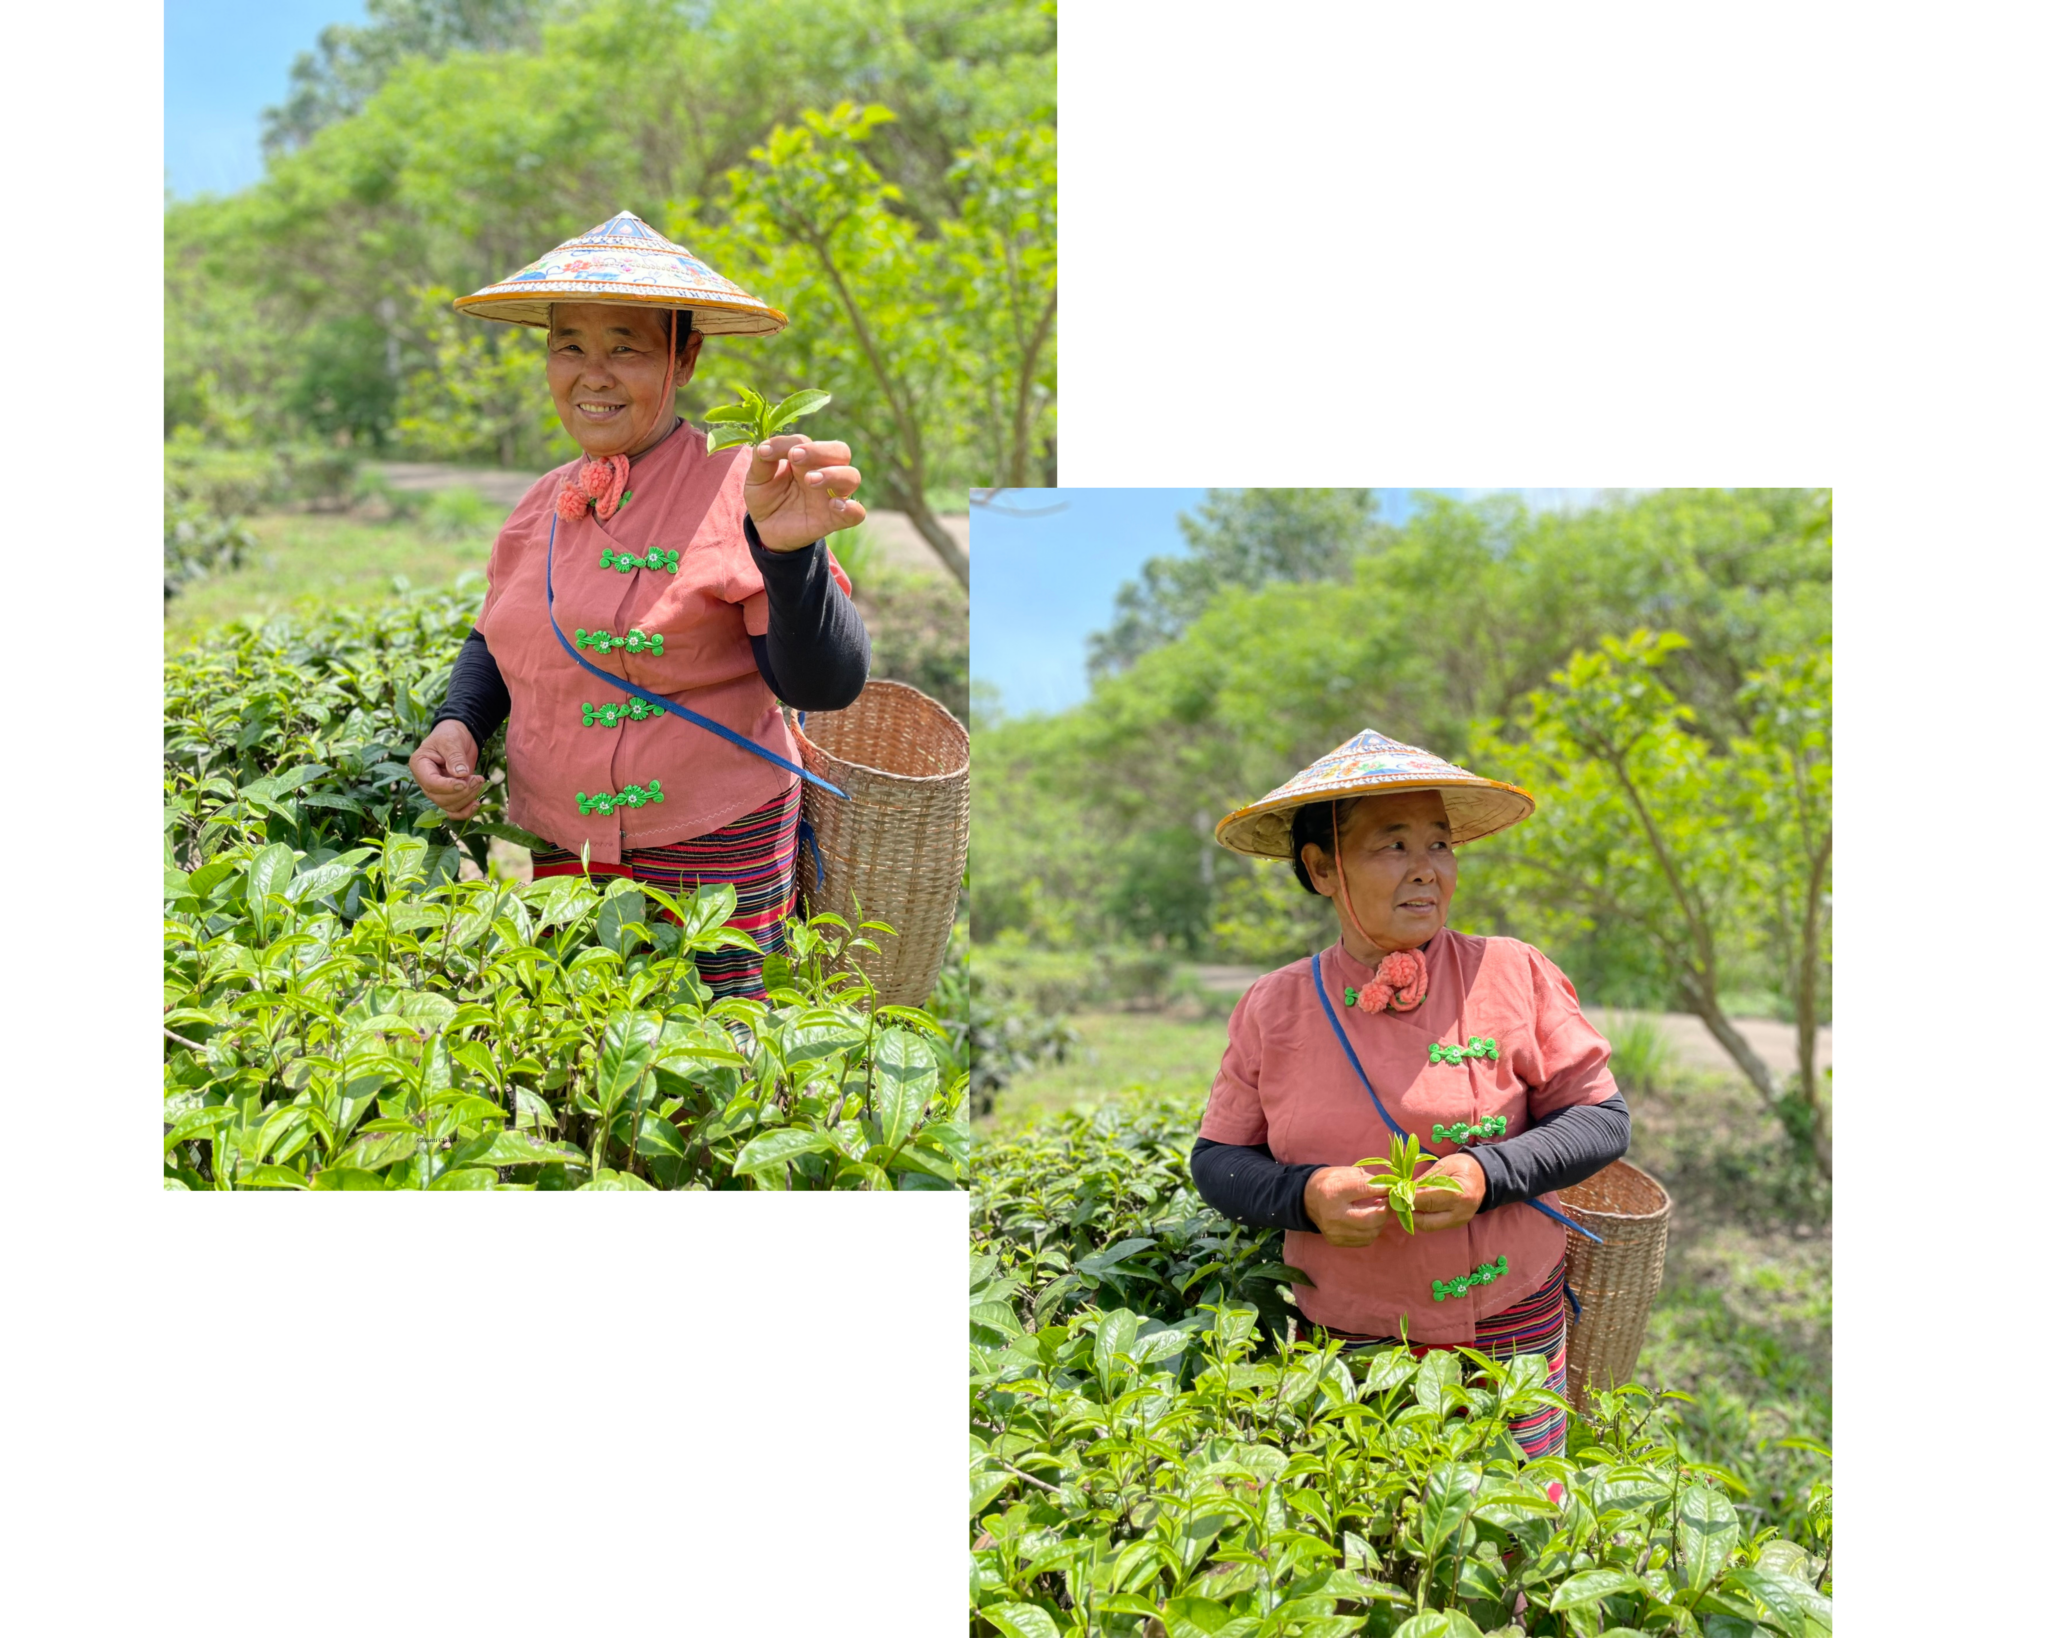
(899, 846)
(1615, 1282)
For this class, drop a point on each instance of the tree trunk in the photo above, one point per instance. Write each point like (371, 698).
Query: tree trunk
(935, 535)
(1808, 1001)
(1705, 1006)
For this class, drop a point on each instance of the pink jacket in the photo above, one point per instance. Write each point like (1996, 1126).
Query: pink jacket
(687, 501)
(1285, 1082)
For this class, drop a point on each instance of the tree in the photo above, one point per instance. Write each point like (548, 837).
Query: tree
(1006, 261)
(1247, 538)
(812, 220)
(353, 62)
(1787, 764)
(1648, 833)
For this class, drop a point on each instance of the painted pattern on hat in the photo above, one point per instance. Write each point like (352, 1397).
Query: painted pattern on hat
(625, 261)
(1369, 761)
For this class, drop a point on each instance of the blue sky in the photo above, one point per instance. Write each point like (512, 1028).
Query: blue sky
(225, 61)
(1043, 583)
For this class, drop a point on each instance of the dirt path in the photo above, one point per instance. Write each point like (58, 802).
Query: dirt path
(1777, 1044)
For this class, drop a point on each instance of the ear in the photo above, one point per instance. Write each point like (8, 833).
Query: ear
(1321, 869)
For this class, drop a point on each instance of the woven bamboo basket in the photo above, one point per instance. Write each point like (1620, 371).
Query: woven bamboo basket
(899, 846)
(1615, 1282)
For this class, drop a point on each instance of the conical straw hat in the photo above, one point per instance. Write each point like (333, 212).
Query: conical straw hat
(1370, 764)
(626, 262)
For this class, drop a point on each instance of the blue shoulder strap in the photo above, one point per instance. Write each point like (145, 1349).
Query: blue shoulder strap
(667, 705)
(1315, 965)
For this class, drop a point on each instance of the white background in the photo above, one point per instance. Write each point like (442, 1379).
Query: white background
(1471, 245)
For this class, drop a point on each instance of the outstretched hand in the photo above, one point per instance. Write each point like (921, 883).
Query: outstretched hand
(800, 490)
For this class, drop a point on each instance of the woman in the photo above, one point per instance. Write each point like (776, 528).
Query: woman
(651, 601)
(1476, 1046)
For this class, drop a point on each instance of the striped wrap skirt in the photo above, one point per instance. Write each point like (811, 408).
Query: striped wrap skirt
(1535, 1325)
(755, 855)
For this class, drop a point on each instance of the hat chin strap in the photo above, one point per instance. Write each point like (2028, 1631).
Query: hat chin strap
(1344, 905)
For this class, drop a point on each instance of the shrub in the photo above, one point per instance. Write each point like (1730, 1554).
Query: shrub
(363, 1020)
(1158, 1448)
(342, 1012)
(297, 731)
(1133, 1476)
(460, 514)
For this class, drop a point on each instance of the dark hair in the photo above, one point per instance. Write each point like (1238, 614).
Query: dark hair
(1312, 823)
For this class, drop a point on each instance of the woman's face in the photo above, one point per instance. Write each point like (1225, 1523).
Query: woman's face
(605, 367)
(1398, 863)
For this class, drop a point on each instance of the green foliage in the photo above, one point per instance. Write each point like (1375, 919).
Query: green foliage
(1707, 858)
(1157, 1448)
(1294, 624)
(1097, 1208)
(460, 514)
(1643, 1058)
(1244, 538)
(297, 731)
(917, 628)
(445, 142)
(361, 1020)
(1405, 1178)
(343, 1012)
(814, 220)
(753, 420)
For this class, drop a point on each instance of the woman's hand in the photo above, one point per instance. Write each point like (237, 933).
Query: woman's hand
(1441, 1209)
(1347, 1204)
(443, 765)
(799, 491)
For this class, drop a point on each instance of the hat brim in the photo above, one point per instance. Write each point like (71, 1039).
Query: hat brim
(529, 305)
(1475, 807)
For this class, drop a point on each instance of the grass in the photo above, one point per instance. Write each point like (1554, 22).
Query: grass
(1123, 1056)
(302, 557)
(1744, 1319)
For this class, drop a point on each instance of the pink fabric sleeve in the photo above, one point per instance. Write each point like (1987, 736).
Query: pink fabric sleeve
(1572, 1054)
(1235, 1113)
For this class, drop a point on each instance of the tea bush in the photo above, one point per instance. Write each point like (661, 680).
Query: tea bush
(298, 731)
(341, 1011)
(1157, 1448)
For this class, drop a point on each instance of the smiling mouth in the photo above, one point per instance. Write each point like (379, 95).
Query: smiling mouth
(597, 412)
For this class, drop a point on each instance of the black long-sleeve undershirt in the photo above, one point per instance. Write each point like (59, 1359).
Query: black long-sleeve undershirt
(814, 657)
(1245, 1182)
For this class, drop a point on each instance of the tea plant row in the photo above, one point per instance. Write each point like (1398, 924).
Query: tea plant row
(1160, 1446)
(341, 1011)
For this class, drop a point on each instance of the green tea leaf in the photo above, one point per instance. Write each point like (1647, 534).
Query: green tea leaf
(1019, 1620)
(1707, 1532)
(465, 1177)
(1114, 1334)
(269, 872)
(1447, 1501)
(346, 1177)
(772, 1149)
(801, 404)
(627, 1055)
(904, 1076)
(1590, 1586)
